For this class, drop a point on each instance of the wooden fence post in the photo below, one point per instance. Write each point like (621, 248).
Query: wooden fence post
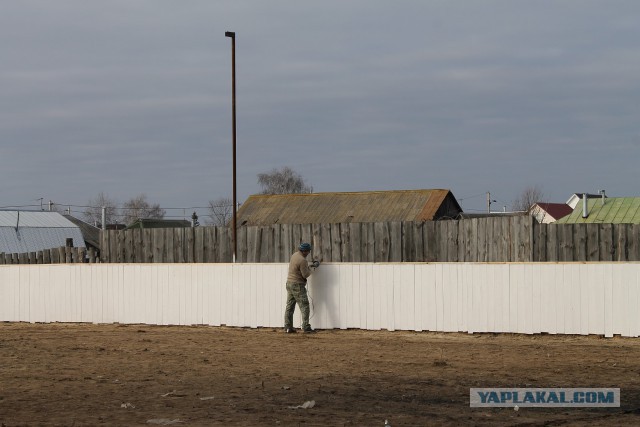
(327, 244)
(336, 243)
(383, 242)
(634, 243)
(580, 242)
(316, 243)
(443, 240)
(607, 248)
(345, 242)
(354, 241)
(190, 244)
(451, 240)
(267, 245)
(215, 244)
(254, 239)
(407, 248)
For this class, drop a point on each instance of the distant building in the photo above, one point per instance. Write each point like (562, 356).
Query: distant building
(158, 223)
(331, 208)
(601, 210)
(546, 213)
(29, 231)
(477, 215)
(116, 226)
(90, 233)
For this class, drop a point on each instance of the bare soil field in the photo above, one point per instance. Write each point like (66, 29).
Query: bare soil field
(130, 375)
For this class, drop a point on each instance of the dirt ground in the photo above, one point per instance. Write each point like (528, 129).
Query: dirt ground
(127, 375)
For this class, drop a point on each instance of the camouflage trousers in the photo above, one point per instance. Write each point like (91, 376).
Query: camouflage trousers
(297, 293)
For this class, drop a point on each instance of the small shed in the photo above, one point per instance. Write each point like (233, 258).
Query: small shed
(32, 231)
(331, 208)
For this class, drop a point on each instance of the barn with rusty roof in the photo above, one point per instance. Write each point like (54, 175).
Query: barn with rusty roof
(331, 208)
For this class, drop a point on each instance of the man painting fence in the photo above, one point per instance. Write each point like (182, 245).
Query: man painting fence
(297, 276)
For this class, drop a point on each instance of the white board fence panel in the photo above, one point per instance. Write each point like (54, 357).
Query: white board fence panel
(556, 298)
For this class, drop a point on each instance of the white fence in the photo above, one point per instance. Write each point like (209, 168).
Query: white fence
(556, 298)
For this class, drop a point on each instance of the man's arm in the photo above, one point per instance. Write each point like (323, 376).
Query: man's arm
(304, 268)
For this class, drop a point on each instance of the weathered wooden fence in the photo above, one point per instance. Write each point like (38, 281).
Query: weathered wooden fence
(497, 239)
(61, 255)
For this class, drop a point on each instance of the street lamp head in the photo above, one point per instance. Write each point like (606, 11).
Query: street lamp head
(230, 34)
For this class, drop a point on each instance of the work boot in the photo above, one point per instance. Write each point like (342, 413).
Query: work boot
(289, 331)
(309, 331)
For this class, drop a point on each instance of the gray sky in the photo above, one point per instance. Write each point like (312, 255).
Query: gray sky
(129, 97)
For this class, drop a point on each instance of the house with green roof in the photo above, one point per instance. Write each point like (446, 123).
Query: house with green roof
(609, 210)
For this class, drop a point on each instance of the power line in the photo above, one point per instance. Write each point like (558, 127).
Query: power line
(471, 197)
(19, 206)
(119, 207)
(117, 212)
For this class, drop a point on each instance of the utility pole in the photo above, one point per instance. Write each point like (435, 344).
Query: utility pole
(489, 201)
(232, 35)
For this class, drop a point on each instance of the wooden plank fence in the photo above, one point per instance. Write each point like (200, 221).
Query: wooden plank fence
(496, 239)
(61, 255)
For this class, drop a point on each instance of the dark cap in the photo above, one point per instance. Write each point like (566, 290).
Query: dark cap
(304, 247)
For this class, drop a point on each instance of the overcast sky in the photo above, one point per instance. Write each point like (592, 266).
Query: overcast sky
(129, 97)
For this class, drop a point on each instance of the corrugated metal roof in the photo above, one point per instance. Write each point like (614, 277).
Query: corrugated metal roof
(33, 219)
(370, 206)
(615, 210)
(35, 231)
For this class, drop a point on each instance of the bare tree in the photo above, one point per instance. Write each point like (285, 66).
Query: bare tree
(220, 211)
(528, 197)
(138, 207)
(283, 181)
(93, 213)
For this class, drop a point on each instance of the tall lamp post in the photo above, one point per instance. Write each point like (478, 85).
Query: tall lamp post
(233, 101)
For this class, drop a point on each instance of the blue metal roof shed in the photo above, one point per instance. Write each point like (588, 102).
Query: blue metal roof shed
(28, 231)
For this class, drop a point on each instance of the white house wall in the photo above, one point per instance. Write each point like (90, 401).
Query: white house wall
(555, 298)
